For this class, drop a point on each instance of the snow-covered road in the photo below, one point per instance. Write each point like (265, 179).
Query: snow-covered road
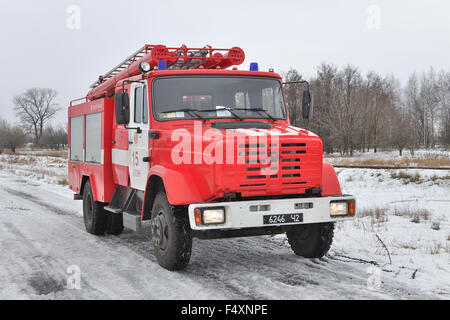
(42, 234)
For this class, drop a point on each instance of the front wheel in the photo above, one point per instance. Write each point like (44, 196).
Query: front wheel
(171, 234)
(311, 240)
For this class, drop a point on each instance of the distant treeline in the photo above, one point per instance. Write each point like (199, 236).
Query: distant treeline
(366, 112)
(15, 136)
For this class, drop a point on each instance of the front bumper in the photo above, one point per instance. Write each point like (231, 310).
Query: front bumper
(241, 214)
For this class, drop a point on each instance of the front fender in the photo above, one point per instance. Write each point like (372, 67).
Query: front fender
(181, 187)
(330, 181)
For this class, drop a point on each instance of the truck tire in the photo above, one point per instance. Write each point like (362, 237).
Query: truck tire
(311, 240)
(93, 213)
(171, 234)
(114, 224)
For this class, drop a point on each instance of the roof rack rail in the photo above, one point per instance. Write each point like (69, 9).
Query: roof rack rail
(175, 57)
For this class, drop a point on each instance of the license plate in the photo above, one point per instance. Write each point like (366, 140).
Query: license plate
(283, 218)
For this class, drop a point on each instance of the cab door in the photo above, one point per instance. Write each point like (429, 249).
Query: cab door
(138, 149)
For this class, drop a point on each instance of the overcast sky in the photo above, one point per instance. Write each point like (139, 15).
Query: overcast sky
(39, 50)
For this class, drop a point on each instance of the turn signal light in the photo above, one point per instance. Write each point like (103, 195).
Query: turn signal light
(198, 216)
(351, 208)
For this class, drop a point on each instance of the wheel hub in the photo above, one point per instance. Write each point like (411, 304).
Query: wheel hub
(160, 232)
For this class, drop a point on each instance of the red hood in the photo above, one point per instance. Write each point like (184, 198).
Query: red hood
(281, 160)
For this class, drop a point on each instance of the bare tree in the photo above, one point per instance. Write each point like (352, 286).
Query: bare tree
(35, 108)
(54, 138)
(444, 101)
(347, 107)
(412, 104)
(12, 137)
(400, 131)
(324, 88)
(353, 112)
(3, 127)
(430, 101)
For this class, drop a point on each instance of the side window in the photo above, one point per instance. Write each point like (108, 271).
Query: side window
(138, 100)
(145, 106)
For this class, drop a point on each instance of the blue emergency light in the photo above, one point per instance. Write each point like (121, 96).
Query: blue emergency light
(254, 66)
(162, 65)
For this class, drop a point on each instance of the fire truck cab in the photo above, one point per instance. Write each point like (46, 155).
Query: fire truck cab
(173, 137)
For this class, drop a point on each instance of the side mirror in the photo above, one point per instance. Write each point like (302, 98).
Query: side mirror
(122, 107)
(307, 104)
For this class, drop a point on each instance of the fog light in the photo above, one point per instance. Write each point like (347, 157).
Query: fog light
(207, 216)
(338, 208)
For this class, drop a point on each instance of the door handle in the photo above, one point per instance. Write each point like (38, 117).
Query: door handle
(130, 142)
(146, 159)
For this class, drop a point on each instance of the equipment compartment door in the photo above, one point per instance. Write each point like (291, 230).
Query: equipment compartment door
(138, 141)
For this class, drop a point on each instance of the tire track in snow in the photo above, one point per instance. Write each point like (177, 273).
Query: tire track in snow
(110, 268)
(243, 268)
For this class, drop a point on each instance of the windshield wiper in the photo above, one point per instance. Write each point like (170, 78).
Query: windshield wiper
(226, 109)
(190, 111)
(195, 112)
(257, 110)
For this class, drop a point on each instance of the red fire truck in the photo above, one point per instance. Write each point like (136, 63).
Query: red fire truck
(180, 140)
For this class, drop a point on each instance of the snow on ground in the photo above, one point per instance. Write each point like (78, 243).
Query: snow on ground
(42, 234)
(412, 241)
(38, 168)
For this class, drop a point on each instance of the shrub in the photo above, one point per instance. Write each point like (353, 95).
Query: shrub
(436, 225)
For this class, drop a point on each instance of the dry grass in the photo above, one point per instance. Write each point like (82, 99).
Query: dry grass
(63, 182)
(415, 214)
(378, 215)
(426, 160)
(20, 160)
(44, 153)
(407, 177)
(408, 245)
(437, 246)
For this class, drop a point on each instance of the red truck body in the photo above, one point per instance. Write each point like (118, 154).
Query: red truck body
(270, 160)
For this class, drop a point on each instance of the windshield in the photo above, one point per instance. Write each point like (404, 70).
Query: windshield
(211, 97)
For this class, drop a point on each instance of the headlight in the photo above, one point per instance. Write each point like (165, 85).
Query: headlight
(338, 208)
(207, 216)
